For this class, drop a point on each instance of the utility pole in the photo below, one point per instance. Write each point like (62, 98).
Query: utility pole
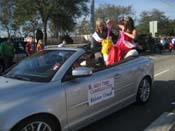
(92, 16)
(92, 21)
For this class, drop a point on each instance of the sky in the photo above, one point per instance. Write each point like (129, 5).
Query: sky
(167, 6)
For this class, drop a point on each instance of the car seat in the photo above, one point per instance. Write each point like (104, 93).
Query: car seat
(132, 52)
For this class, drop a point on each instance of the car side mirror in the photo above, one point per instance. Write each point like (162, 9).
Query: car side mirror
(81, 71)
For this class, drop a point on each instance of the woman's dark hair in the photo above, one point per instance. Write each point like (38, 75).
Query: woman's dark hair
(129, 23)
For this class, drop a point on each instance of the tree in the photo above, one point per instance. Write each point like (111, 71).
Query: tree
(39, 34)
(154, 15)
(7, 15)
(65, 22)
(172, 27)
(58, 12)
(30, 11)
(107, 11)
(84, 27)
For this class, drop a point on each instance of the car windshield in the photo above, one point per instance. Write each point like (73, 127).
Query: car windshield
(40, 67)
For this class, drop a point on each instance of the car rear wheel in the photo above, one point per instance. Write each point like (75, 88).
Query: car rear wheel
(36, 123)
(144, 91)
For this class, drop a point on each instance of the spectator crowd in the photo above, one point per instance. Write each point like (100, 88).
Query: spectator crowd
(10, 48)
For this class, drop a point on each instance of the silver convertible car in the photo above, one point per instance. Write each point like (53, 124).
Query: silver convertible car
(65, 89)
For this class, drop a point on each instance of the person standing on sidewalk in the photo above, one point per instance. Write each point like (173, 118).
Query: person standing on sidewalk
(7, 52)
(39, 45)
(63, 43)
(30, 46)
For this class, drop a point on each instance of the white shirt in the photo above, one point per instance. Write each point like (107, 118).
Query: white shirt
(173, 40)
(61, 45)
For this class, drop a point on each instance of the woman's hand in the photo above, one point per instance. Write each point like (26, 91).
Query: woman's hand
(114, 24)
(110, 22)
(132, 34)
(121, 27)
(100, 40)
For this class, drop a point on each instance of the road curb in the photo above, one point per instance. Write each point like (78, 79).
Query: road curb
(163, 123)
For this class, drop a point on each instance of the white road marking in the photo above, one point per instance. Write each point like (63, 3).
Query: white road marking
(152, 57)
(160, 73)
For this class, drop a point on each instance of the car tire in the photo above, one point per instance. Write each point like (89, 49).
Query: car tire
(36, 123)
(144, 91)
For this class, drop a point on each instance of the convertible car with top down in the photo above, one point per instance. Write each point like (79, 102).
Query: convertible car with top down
(65, 89)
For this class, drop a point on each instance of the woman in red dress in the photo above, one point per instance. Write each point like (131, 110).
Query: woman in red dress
(125, 42)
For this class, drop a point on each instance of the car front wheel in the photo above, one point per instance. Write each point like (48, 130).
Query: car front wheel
(36, 124)
(144, 91)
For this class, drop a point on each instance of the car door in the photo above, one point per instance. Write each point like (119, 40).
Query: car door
(89, 98)
(126, 77)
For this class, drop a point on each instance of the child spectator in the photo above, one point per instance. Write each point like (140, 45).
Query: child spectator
(39, 46)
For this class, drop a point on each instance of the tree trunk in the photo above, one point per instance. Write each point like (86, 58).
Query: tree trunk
(8, 32)
(45, 32)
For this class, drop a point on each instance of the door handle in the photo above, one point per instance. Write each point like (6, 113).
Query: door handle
(117, 76)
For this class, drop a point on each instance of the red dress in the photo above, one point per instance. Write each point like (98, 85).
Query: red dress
(123, 45)
(29, 48)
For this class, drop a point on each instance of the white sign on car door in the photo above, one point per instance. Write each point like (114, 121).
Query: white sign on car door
(100, 91)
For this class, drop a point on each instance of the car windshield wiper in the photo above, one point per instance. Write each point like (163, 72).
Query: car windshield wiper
(19, 77)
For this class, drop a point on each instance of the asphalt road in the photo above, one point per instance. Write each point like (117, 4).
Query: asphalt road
(137, 118)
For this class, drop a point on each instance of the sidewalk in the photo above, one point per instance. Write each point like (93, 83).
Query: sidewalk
(165, 122)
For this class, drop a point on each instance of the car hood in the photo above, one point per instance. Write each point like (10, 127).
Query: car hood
(14, 90)
(15, 95)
